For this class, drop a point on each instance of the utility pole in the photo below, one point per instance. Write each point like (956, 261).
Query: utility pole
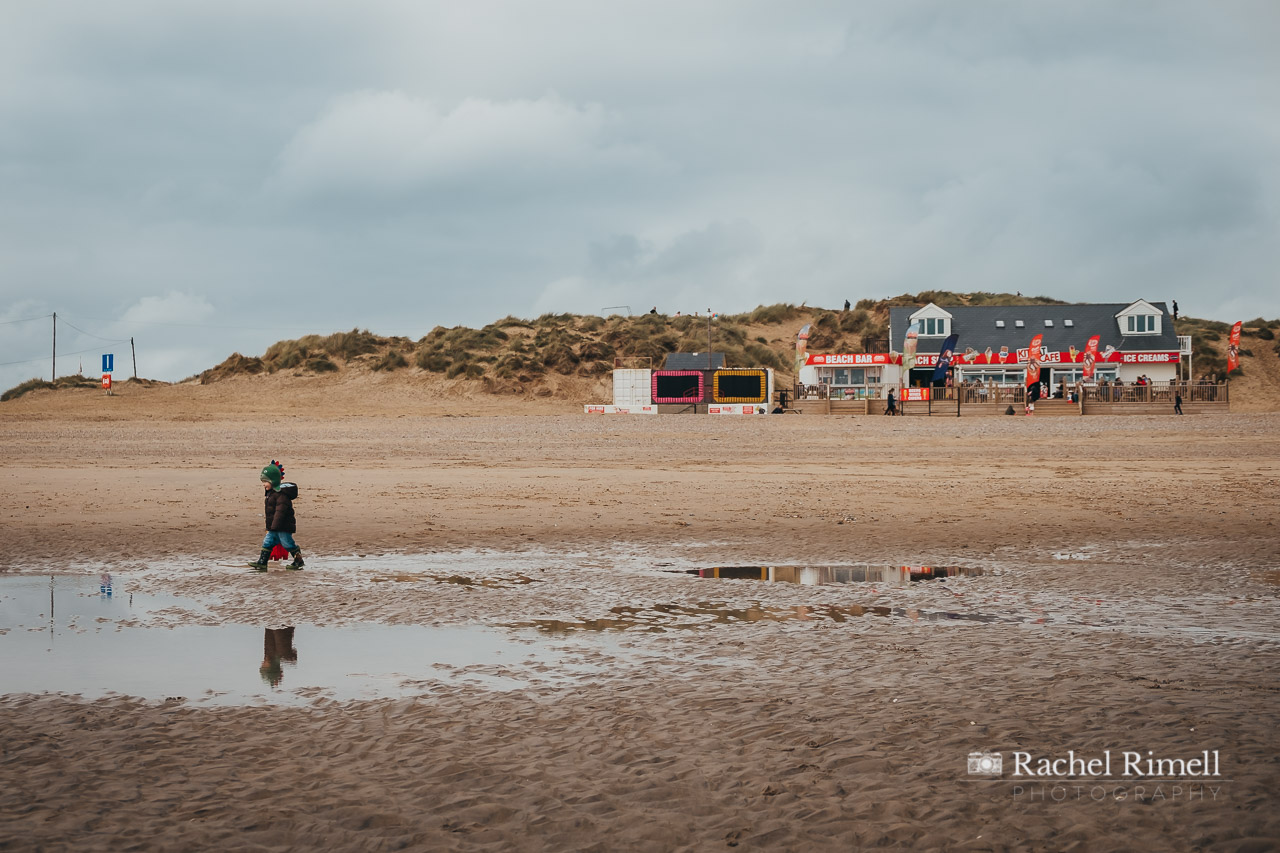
(708, 339)
(54, 374)
(135, 359)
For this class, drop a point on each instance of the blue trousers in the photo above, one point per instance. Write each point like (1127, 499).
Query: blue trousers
(279, 537)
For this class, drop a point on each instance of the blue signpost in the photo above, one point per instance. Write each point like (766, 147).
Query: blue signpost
(108, 364)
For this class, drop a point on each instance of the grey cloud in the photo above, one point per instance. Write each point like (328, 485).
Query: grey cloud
(398, 165)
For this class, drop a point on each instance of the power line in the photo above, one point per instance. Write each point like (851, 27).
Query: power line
(204, 325)
(43, 358)
(92, 335)
(26, 320)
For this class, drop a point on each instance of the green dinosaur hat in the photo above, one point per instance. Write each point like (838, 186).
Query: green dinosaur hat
(272, 474)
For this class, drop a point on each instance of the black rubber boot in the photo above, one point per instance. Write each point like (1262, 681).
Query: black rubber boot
(297, 563)
(261, 565)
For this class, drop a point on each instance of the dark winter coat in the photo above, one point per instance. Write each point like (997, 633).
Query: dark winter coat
(279, 507)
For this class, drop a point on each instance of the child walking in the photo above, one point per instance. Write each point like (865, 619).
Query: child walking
(281, 524)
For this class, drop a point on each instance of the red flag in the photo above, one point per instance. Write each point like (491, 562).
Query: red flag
(1090, 357)
(1033, 361)
(1233, 347)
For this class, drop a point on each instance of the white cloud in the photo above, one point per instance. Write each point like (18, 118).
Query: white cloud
(173, 307)
(391, 142)
(716, 266)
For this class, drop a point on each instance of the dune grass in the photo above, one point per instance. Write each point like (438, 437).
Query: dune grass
(74, 381)
(514, 351)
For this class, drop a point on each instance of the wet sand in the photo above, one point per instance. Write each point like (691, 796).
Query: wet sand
(1130, 603)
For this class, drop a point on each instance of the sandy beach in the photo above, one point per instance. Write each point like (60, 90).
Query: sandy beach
(1127, 601)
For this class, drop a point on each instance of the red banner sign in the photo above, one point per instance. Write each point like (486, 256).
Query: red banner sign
(1233, 347)
(1090, 357)
(1033, 360)
(918, 394)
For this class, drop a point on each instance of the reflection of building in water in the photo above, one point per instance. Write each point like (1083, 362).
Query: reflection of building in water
(820, 575)
(277, 650)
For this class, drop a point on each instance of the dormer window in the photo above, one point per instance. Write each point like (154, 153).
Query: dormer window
(1139, 318)
(1048, 324)
(934, 322)
(1018, 324)
(999, 324)
(1068, 323)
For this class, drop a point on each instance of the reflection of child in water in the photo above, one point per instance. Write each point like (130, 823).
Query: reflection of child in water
(277, 649)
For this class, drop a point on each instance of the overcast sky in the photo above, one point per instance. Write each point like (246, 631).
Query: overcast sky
(210, 178)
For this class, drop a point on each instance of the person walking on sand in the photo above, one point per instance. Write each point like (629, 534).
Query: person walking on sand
(1177, 402)
(281, 524)
(892, 408)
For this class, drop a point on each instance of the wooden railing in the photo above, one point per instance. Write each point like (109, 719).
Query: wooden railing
(991, 393)
(1165, 392)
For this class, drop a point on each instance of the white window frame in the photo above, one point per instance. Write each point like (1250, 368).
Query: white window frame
(1141, 324)
(935, 327)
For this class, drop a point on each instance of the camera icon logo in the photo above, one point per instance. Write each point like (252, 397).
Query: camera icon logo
(986, 764)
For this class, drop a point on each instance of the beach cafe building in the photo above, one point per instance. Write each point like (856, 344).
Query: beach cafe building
(1135, 340)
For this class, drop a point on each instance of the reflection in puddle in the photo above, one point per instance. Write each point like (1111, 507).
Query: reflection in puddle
(38, 602)
(277, 650)
(665, 617)
(822, 575)
(70, 635)
(459, 580)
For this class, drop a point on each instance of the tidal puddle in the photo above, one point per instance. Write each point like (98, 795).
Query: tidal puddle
(824, 575)
(671, 617)
(457, 580)
(75, 635)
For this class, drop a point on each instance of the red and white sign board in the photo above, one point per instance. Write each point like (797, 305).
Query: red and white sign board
(918, 395)
(106, 381)
(735, 409)
(854, 358)
(600, 409)
(1004, 356)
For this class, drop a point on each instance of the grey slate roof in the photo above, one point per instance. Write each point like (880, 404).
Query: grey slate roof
(976, 326)
(692, 361)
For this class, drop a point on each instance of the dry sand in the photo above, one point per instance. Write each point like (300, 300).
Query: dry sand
(1131, 573)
